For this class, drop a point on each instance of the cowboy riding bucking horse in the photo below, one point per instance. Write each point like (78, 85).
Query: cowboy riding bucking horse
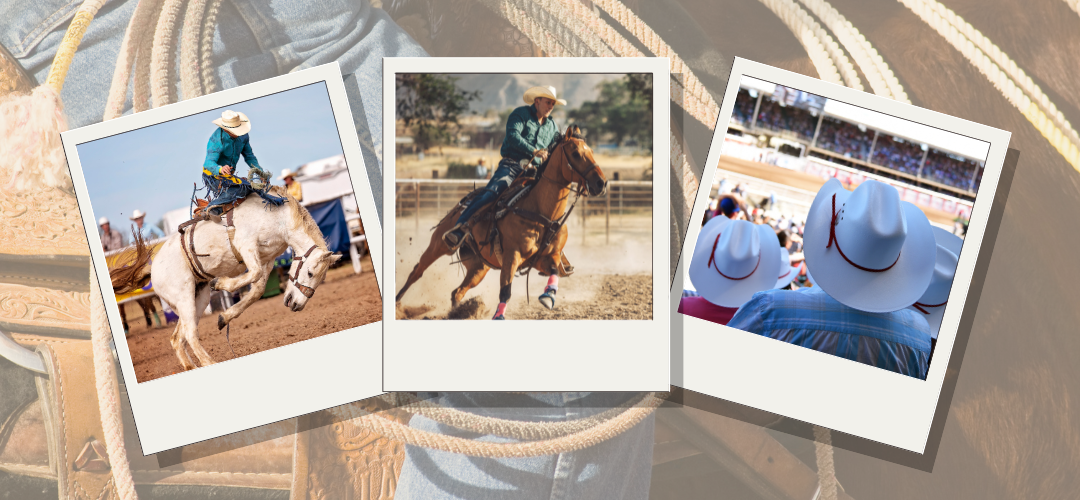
(227, 144)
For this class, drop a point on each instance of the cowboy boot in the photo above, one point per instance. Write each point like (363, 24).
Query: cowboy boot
(454, 237)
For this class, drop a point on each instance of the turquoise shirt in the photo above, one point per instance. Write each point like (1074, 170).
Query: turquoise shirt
(525, 134)
(224, 149)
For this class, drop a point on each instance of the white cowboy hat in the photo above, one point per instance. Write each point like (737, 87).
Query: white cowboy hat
(870, 250)
(787, 271)
(286, 173)
(234, 122)
(734, 261)
(137, 214)
(549, 92)
(932, 303)
(102, 221)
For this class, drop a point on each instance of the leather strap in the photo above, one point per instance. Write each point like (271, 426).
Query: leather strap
(231, 230)
(73, 422)
(189, 250)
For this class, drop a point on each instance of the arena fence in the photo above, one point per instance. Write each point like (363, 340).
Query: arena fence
(428, 198)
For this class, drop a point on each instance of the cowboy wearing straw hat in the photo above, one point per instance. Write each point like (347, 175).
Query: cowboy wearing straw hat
(872, 256)
(733, 260)
(111, 239)
(529, 132)
(227, 144)
(292, 186)
(148, 233)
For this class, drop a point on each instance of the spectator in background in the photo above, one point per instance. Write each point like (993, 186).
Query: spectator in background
(111, 239)
(146, 232)
(857, 308)
(731, 206)
(292, 186)
(732, 261)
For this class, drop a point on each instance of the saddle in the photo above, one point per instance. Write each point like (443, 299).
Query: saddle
(504, 205)
(187, 235)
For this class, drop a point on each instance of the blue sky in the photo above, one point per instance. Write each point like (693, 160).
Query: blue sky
(153, 169)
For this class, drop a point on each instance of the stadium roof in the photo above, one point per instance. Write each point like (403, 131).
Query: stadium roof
(934, 137)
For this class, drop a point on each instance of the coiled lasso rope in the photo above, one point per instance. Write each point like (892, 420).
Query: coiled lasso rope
(1013, 83)
(557, 438)
(878, 74)
(832, 64)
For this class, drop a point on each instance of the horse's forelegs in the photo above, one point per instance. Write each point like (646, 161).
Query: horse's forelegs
(258, 287)
(433, 252)
(475, 272)
(251, 260)
(510, 264)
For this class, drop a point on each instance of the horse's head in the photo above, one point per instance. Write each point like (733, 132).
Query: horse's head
(306, 274)
(580, 166)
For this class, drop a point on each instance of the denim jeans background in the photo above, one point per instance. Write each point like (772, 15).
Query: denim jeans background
(255, 40)
(618, 468)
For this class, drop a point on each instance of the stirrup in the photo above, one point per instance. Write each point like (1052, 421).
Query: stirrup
(446, 237)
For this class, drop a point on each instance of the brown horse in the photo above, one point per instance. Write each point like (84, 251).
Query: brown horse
(522, 230)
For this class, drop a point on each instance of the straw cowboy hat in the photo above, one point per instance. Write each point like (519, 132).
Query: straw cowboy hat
(735, 260)
(234, 122)
(102, 221)
(788, 272)
(137, 214)
(549, 92)
(932, 302)
(870, 250)
(286, 173)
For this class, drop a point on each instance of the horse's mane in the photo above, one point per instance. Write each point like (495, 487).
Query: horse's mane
(572, 132)
(301, 217)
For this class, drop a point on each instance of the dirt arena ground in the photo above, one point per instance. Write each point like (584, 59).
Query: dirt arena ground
(342, 301)
(612, 278)
(616, 297)
(802, 180)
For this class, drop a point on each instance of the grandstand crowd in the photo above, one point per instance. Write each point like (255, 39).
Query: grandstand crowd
(855, 142)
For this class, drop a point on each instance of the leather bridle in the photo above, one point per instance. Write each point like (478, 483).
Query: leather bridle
(304, 289)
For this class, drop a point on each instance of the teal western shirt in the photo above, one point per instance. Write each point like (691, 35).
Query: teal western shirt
(224, 149)
(525, 134)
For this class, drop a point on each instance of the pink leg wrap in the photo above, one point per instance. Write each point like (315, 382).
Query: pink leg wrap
(553, 283)
(499, 311)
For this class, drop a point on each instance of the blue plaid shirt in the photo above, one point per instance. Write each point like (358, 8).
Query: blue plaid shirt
(898, 341)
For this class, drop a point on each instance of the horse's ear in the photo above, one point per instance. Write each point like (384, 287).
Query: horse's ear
(334, 257)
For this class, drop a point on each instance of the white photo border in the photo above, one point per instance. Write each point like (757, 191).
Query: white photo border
(265, 387)
(808, 385)
(531, 355)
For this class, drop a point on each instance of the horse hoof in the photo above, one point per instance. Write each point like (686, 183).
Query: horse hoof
(499, 317)
(547, 300)
(220, 322)
(213, 284)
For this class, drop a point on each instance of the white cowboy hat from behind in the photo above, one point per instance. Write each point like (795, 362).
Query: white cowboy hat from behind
(234, 122)
(286, 173)
(549, 92)
(137, 214)
(788, 272)
(734, 261)
(102, 221)
(932, 303)
(868, 249)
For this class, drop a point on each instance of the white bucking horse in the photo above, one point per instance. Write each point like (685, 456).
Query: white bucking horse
(228, 253)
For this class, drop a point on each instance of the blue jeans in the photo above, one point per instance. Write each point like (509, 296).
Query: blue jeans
(618, 468)
(254, 40)
(504, 175)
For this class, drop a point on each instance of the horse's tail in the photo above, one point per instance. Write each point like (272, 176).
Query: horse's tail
(136, 274)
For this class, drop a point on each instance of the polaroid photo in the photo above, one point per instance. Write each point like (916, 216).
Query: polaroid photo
(830, 252)
(532, 192)
(239, 293)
